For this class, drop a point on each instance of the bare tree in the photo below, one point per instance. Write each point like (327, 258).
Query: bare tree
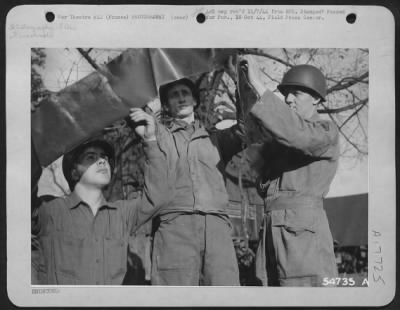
(347, 74)
(346, 71)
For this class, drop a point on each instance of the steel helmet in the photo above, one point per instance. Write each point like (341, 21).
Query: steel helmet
(72, 156)
(184, 81)
(305, 76)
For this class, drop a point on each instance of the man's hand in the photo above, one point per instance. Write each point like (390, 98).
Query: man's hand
(254, 74)
(145, 125)
(154, 107)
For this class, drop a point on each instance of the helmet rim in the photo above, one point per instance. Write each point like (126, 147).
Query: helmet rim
(305, 76)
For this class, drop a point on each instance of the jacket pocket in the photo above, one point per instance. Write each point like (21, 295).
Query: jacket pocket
(296, 220)
(68, 258)
(65, 278)
(116, 258)
(296, 243)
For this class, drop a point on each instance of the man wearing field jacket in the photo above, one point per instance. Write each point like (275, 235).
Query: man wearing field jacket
(300, 155)
(192, 242)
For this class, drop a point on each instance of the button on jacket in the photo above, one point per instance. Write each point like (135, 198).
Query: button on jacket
(79, 248)
(196, 158)
(300, 159)
(192, 243)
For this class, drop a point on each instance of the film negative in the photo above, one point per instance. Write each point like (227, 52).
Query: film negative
(273, 134)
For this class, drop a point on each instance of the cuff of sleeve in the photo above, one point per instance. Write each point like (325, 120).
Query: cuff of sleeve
(267, 101)
(152, 150)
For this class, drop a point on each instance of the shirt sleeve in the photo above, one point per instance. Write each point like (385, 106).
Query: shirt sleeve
(42, 224)
(313, 138)
(157, 184)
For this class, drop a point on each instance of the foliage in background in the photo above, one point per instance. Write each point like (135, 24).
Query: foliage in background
(38, 89)
(38, 57)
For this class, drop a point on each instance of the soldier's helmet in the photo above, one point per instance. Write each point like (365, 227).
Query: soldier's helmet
(304, 76)
(70, 158)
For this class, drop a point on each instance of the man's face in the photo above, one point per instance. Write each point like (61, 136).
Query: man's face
(180, 101)
(301, 102)
(94, 167)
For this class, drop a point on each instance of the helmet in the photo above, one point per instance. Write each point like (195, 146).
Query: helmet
(305, 76)
(72, 156)
(184, 81)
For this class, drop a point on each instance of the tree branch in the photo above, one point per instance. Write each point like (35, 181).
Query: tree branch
(286, 54)
(258, 53)
(344, 135)
(352, 115)
(353, 80)
(312, 53)
(361, 126)
(270, 77)
(101, 70)
(338, 86)
(326, 110)
(88, 58)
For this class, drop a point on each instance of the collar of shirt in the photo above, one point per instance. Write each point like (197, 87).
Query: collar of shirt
(196, 128)
(178, 124)
(73, 201)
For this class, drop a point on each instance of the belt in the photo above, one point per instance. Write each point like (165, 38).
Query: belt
(283, 203)
(173, 214)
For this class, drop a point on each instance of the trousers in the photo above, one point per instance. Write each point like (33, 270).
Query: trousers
(297, 248)
(192, 250)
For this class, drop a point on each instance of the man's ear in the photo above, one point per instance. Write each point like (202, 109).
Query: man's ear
(165, 109)
(317, 101)
(75, 174)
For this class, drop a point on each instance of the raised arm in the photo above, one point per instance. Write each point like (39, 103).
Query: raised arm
(158, 175)
(312, 137)
(158, 183)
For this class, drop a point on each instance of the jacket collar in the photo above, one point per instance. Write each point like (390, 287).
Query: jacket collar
(73, 201)
(199, 129)
(177, 124)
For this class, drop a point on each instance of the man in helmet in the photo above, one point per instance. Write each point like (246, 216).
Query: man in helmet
(300, 155)
(192, 234)
(83, 237)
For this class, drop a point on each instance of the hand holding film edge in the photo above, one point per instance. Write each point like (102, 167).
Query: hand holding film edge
(144, 123)
(248, 94)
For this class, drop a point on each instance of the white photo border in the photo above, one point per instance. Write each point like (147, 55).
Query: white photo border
(374, 29)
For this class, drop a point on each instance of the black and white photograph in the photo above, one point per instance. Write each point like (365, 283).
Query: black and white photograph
(168, 166)
(244, 196)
